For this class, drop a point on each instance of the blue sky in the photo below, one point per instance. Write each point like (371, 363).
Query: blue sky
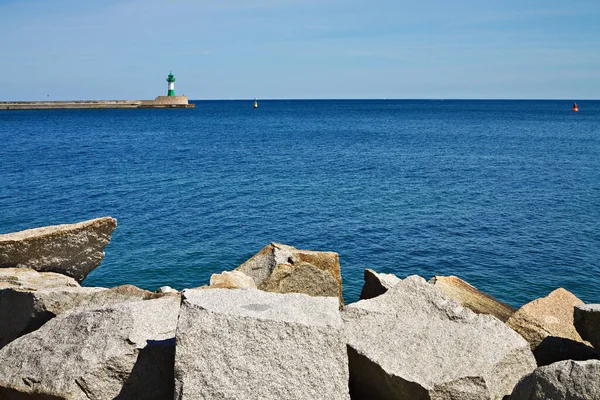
(109, 49)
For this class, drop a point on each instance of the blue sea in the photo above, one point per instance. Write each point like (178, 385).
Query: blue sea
(503, 194)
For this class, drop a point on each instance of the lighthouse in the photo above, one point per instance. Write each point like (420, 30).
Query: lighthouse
(171, 81)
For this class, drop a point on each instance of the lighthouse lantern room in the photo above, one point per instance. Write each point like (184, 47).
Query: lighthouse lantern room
(171, 81)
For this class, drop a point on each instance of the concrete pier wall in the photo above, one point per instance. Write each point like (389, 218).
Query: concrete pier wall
(167, 100)
(159, 102)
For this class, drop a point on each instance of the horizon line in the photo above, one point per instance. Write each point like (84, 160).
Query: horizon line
(399, 99)
(323, 99)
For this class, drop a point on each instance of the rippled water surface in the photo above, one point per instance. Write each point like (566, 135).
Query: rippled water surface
(504, 194)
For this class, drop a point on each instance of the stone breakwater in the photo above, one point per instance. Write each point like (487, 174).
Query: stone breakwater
(276, 328)
(159, 102)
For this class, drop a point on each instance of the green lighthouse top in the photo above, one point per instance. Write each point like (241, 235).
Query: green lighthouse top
(171, 78)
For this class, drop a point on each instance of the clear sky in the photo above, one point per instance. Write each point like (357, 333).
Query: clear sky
(222, 49)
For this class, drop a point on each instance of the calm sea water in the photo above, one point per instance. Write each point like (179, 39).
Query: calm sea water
(504, 194)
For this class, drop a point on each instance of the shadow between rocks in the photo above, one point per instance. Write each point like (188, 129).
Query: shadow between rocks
(20, 315)
(153, 375)
(11, 394)
(369, 381)
(553, 349)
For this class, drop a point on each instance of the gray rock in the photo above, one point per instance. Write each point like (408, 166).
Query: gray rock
(248, 344)
(24, 309)
(121, 351)
(564, 380)
(377, 284)
(260, 266)
(73, 250)
(587, 323)
(26, 278)
(414, 342)
(284, 269)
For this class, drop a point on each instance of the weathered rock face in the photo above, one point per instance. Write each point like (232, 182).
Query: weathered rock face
(232, 280)
(26, 278)
(414, 342)
(121, 351)
(283, 269)
(472, 298)
(547, 316)
(25, 309)
(301, 278)
(249, 344)
(587, 323)
(568, 380)
(73, 250)
(377, 284)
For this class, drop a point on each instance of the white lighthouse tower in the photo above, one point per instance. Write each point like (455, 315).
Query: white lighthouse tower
(171, 81)
(170, 100)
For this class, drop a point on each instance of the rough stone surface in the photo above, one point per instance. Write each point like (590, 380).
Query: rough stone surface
(124, 351)
(249, 344)
(587, 323)
(73, 250)
(377, 284)
(301, 278)
(564, 380)
(472, 298)
(414, 342)
(232, 280)
(26, 278)
(547, 316)
(24, 309)
(282, 269)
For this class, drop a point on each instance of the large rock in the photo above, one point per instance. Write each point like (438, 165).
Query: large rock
(26, 278)
(123, 351)
(232, 280)
(414, 342)
(249, 344)
(564, 380)
(472, 298)
(547, 316)
(31, 302)
(377, 284)
(587, 323)
(73, 250)
(285, 269)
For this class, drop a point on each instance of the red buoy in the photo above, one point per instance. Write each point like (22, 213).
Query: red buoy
(575, 109)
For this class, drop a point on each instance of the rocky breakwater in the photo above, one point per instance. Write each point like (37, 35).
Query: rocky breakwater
(414, 342)
(275, 327)
(285, 269)
(28, 299)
